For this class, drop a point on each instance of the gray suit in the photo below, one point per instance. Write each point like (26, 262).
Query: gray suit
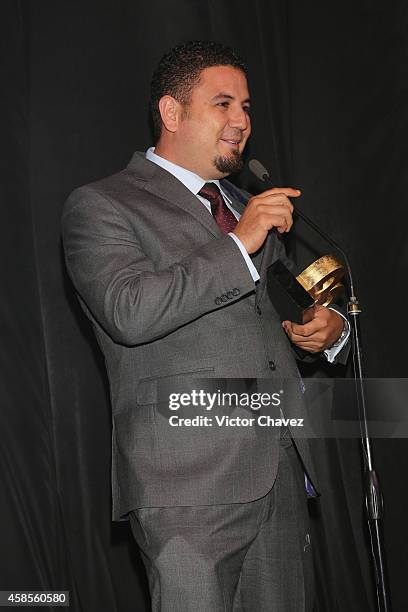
(151, 268)
(170, 298)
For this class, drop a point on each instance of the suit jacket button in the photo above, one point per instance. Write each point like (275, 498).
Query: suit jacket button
(236, 291)
(218, 301)
(272, 365)
(224, 298)
(230, 295)
(258, 310)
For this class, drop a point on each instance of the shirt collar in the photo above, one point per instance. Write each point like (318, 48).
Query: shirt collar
(192, 181)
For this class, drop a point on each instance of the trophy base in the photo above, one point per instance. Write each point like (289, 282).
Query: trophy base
(291, 301)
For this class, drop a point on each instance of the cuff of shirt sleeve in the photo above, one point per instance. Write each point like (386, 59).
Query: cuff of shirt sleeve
(332, 352)
(253, 271)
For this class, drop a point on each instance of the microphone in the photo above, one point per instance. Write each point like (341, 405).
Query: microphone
(262, 174)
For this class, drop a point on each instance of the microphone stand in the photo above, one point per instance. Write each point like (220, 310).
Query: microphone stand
(373, 496)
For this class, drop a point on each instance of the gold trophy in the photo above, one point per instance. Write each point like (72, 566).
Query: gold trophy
(322, 279)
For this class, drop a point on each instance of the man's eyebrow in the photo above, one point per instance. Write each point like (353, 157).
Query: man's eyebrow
(228, 97)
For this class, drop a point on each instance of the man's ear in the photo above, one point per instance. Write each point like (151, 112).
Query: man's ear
(170, 111)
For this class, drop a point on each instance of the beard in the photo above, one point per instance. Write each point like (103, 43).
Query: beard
(229, 165)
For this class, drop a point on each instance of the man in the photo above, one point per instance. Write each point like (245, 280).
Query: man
(174, 285)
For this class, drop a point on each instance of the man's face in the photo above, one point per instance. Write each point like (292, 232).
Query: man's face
(215, 124)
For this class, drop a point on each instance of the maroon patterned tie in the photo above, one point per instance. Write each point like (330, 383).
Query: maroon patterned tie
(221, 213)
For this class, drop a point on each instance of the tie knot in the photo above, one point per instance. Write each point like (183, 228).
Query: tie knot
(210, 192)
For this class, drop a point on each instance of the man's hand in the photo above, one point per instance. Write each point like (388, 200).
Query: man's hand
(319, 334)
(269, 209)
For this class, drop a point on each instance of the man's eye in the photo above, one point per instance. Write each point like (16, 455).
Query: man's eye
(247, 109)
(224, 104)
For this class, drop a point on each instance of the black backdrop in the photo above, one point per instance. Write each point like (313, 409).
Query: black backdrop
(329, 90)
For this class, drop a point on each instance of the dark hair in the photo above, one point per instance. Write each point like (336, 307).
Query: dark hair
(178, 72)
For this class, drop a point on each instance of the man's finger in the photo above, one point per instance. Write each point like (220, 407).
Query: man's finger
(313, 344)
(275, 215)
(304, 331)
(287, 191)
(269, 206)
(302, 341)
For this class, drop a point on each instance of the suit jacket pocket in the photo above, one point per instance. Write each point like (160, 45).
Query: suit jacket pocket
(157, 389)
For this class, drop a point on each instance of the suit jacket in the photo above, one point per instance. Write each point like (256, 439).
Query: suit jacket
(171, 298)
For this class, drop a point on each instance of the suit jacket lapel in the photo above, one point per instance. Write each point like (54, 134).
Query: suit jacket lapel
(164, 185)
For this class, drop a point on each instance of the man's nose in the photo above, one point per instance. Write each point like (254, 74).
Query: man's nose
(239, 119)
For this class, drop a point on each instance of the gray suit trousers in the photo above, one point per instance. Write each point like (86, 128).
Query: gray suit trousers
(242, 557)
